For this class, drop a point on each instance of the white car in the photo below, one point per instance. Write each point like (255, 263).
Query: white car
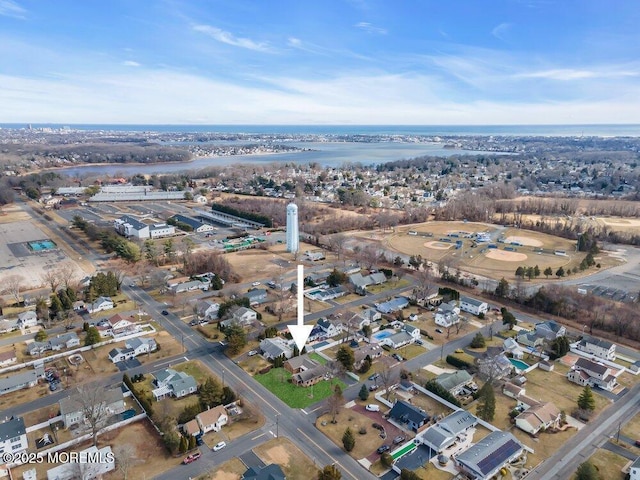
(219, 446)
(251, 353)
(373, 407)
(255, 284)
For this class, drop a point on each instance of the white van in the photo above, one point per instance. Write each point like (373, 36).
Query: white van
(373, 407)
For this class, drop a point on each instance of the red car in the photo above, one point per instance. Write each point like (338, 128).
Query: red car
(191, 458)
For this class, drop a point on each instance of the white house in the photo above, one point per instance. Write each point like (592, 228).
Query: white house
(120, 354)
(597, 347)
(242, 316)
(447, 315)
(66, 340)
(330, 329)
(13, 436)
(133, 348)
(473, 306)
(73, 411)
(213, 419)
(92, 463)
(169, 382)
(586, 372)
(118, 326)
(550, 330)
(538, 417)
(100, 304)
(159, 230)
(129, 226)
(8, 358)
(27, 319)
(272, 348)
(411, 330)
(22, 380)
(511, 346)
(634, 470)
(398, 340)
(207, 309)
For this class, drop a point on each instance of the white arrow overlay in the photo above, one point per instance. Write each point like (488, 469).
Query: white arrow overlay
(300, 332)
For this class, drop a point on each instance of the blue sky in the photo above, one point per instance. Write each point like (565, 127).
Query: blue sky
(440, 62)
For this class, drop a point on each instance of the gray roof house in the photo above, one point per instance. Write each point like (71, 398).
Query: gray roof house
(361, 282)
(270, 472)
(13, 436)
(66, 340)
(485, 459)
(256, 296)
(452, 382)
(550, 329)
(170, 382)
(494, 364)
(412, 416)
(275, 347)
(393, 305)
(22, 380)
(72, 407)
(444, 433)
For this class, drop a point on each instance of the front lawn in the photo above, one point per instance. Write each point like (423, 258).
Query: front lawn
(277, 381)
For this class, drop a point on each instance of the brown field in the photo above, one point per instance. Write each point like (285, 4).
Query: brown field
(295, 464)
(609, 463)
(504, 256)
(230, 470)
(365, 444)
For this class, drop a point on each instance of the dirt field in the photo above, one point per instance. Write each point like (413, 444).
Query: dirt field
(231, 470)
(504, 256)
(296, 465)
(528, 241)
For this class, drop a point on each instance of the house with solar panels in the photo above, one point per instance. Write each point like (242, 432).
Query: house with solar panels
(485, 459)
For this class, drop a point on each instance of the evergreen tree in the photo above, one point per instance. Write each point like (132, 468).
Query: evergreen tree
(184, 445)
(345, 357)
(536, 271)
(560, 272)
(210, 393)
(548, 272)
(55, 307)
(586, 401)
(192, 442)
(508, 318)
(348, 440)
(406, 474)
(93, 336)
(478, 341)
(502, 290)
(520, 272)
(236, 338)
(330, 472)
(486, 402)
(586, 471)
(364, 393)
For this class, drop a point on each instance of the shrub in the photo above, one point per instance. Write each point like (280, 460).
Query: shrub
(458, 362)
(442, 392)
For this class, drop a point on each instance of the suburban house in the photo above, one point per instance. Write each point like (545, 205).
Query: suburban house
(8, 358)
(485, 459)
(273, 348)
(314, 256)
(361, 282)
(270, 472)
(538, 417)
(586, 372)
(394, 305)
(256, 296)
(597, 347)
(473, 306)
(447, 431)
(411, 330)
(91, 463)
(27, 319)
(72, 408)
(169, 382)
(412, 416)
(190, 286)
(7, 326)
(397, 340)
(448, 314)
(241, 315)
(212, 419)
(118, 326)
(371, 350)
(13, 436)
(207, 310)
(550, 330)
(305, 371)
(453, 382)
(133, 348)
(634, 470)
(370, 314)
(511, 346)
(330, 328)
(494, 364)
(100, 304)
(66, 340)
(530, 339)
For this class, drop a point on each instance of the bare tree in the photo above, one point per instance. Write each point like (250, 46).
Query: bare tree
(125, 459)
(90, 401)
(335, 402)
(338, 244)
(52, 278)
(386, 379)
(67, 273)
(13, 285)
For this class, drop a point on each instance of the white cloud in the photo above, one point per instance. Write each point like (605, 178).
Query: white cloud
(567, 74)
(9, 8)
(230, 39)
(369, 28)
(294, 42)
(130, 63)
(501, 30)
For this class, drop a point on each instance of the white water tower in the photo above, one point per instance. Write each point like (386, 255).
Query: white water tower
(293, 237)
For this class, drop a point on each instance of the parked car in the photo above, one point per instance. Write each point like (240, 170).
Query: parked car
(164, 312)
(193, 323)
(219, 446)
(372, 407)
(383, 448)
(419, 342)
(53, 386)
(413, 317)
(399, 439)
(637, 443)
(438, 330)
(251, 353)
(377, 426)
(397, 357)
(255, 284)
(191, 458)
(374, 376)
(373, 388)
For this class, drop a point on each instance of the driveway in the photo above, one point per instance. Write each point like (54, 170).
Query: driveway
(391, 430)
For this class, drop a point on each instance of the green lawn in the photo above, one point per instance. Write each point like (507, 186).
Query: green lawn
(277, 381)
(318, 358)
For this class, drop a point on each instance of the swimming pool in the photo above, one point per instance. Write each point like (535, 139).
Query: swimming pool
(382, 334)
(40, 245)
(519, 364)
